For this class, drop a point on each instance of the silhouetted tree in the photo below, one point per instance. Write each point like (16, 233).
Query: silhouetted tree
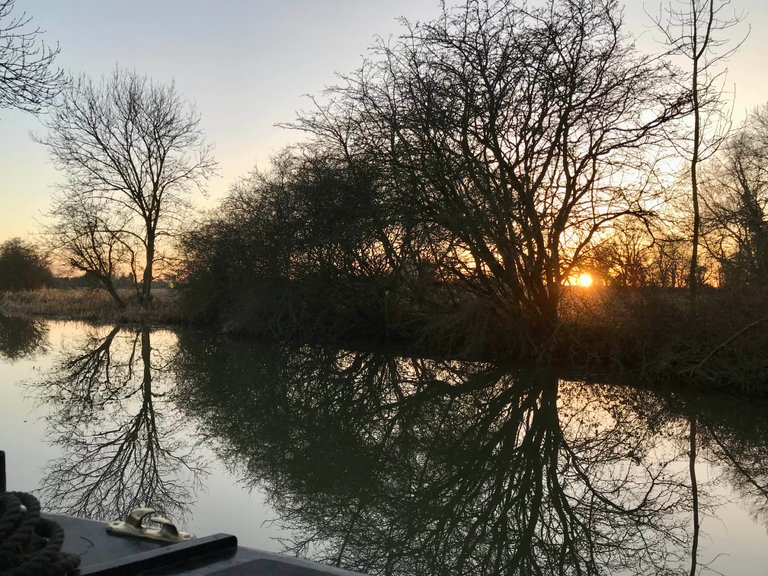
(22, 267)
(642, 252)
(304, 247)
(28, 80)
(691, 29)
(736, 200)
(671, 261)
(624, 256)
(88, 237)
(134, 148)
(508, 133)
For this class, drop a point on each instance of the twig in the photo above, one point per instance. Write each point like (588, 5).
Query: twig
(727, 341)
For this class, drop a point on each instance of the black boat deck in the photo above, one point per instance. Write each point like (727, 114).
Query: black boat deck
(103, 554)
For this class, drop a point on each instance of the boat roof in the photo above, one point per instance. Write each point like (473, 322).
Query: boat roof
(104, 554)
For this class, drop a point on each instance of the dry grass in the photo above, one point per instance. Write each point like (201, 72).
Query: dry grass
(89, 304)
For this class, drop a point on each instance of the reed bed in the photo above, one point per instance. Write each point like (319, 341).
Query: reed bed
(91, 305)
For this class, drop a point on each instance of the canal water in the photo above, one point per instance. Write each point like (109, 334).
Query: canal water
(384, 464)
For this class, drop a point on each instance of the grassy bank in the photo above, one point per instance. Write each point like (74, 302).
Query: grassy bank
(89, 305)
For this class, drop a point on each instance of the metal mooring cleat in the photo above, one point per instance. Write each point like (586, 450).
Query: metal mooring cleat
(134, 526)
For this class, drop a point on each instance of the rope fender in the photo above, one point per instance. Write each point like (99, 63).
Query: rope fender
(30, 545)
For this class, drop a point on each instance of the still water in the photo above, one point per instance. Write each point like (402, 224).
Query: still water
(384, 464)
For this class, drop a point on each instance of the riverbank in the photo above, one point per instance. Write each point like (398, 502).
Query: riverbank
(646, 334)
(90, 305)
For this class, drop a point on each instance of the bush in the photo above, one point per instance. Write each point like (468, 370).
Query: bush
(22, 267)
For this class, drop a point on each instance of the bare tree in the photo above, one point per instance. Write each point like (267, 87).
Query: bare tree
(643, 252)
(506, 132)
(625, 255)
(133, 147)
(691, 29)
(735, 195)
(670, 262)
(87, 237)
(28, 80)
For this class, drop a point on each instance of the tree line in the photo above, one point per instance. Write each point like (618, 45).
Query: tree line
(452, 187)
(449, 190)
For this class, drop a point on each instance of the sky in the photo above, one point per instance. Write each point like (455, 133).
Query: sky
(248, 65)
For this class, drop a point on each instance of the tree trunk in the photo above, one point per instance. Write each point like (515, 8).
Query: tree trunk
(693, 277)
(109, 287)
(106, 283)
(145, 297)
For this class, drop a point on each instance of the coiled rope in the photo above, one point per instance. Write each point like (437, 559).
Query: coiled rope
(30, 545)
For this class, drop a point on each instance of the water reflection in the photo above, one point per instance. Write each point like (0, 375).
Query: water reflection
(123, 443)
(20, 337)
(392, 465)
(735, 436)
(402, 466)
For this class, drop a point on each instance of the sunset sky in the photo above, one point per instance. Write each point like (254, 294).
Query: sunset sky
(248, 64)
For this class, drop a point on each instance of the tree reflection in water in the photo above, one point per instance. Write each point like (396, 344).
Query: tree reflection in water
(735, 435)
(124, 444)
(20, 337)
(403, 466)
(407, 466)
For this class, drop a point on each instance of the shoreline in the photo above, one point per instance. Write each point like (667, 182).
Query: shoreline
(662, 367)
(90, 305)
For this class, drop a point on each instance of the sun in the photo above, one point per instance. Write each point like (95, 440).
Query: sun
(585, 280)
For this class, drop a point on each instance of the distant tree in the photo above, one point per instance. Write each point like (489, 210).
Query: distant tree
(28, 80)
(22, 267)
(624, 257)
(87, 238)
(671, 261)
(134, 148)
(638, 252)
(736, 202)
